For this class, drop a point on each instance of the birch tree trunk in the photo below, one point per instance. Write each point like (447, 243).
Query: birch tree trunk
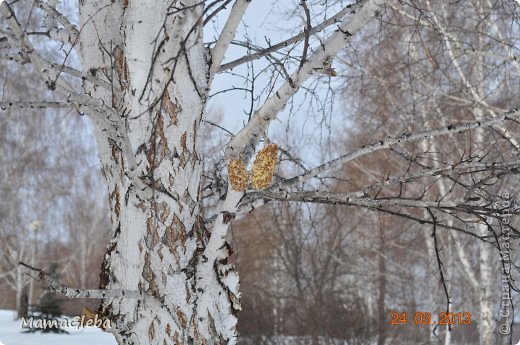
(487, 324)
(190, 295)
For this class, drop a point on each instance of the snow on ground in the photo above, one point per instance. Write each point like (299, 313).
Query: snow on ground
(12, 334)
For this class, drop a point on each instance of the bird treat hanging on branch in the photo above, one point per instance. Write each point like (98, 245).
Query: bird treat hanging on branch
(238, 175)
(262, 171)
(263, 167)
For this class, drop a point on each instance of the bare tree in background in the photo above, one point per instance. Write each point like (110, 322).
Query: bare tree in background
(442, 63)
(88, 223)
(87, 226)
(35, 176)
(146, 75)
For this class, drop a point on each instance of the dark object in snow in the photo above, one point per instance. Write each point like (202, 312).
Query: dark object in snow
(48, 310)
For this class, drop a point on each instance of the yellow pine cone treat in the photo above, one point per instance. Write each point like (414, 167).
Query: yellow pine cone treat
(238, 175)
(263, 166)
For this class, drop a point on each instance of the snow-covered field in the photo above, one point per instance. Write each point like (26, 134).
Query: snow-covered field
(12, 334)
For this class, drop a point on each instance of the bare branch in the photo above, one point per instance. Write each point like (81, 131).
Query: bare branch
(439, 264)
(46, 70)
(60, 289)
(450, 169)
(36, 105)
(104, 116)
(406, 138)
(78, 74)
(216, 11)
(306, 31)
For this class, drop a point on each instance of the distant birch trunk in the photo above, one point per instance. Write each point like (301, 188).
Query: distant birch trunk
(487, 293)
(191, 295)
(19, 292)
(487, 262)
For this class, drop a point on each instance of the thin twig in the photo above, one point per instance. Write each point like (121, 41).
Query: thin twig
(439, 263)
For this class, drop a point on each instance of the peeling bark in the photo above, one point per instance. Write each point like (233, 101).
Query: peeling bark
(159, 241)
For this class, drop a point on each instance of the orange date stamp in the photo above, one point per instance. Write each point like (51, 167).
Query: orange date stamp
(425, 318)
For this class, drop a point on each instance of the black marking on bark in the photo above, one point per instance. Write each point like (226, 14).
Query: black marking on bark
(190, 73)
(346, 32)
(157, 186)
(141, 148)
(227, 217)
(51, 84)
(222, 270)
(127, 194)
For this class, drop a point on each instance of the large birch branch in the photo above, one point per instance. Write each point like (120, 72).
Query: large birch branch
(60, 289)
(406, 138)
(350, 199)
(295, 39)
(230, 28)
(251, 133)
(248, 207)
(48, 71)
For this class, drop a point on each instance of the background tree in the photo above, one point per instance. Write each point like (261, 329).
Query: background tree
(35, 175)
(434, 70)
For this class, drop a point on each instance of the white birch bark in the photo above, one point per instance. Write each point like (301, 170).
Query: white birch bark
(487, 262)
(20, 283)
(153, 167)
(487, 324)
